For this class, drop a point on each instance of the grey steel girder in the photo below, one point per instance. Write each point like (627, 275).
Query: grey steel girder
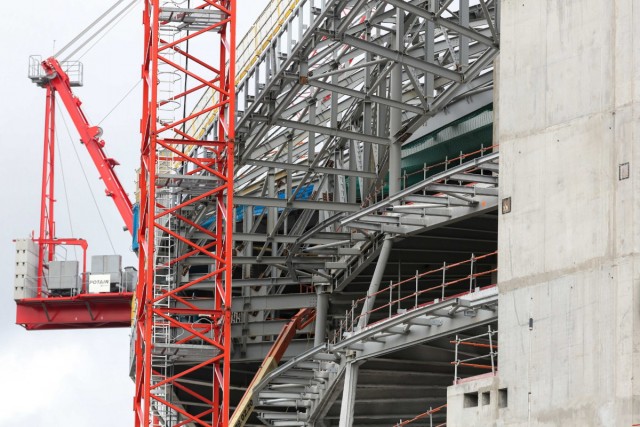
(313, 137)
(311, 376)
(256, 303)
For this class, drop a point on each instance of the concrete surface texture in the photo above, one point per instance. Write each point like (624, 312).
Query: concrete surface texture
(569, 248)
(478, 402)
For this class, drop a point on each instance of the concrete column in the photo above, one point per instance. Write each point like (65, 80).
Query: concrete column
(569, 249)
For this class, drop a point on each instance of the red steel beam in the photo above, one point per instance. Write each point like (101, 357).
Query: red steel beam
(109, 310)
(58, 81)
(46, 252)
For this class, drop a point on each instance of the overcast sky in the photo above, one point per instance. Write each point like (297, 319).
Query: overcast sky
(70, 378)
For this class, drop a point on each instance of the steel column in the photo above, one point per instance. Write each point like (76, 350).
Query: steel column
(322, 308)
(347, 404)
(46, 252)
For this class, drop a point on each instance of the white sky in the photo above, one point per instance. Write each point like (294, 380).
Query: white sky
(70, 378)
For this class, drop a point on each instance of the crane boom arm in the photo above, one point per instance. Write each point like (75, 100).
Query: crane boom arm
(58, 79)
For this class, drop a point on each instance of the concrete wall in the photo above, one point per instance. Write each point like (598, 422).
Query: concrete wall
(478, 403)
(569, 249)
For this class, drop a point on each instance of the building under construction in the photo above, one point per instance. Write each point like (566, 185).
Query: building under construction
(367, 213)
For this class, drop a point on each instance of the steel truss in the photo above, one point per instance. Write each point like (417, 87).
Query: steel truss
(327, 92)
(324, 107)
(182, 351)
(325, 99)
(314, 110)
(316, 133)
(307, 383)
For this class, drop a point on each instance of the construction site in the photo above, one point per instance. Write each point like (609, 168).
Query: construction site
(379, 213)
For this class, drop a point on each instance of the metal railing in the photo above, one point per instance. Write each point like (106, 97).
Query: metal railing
(429, 414)
(73, 69)
(261, 33)
(485, 361)
(407, 302)
(430, 169)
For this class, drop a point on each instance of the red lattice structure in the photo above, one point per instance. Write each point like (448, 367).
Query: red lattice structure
(183, 300)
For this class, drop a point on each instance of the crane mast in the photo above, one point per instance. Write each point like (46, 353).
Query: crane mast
(183, 299)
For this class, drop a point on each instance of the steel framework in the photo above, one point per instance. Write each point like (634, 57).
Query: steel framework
(182, 351)
(328, 92)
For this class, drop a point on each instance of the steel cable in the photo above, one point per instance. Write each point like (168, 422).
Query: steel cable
(95, 202)
(98, 31)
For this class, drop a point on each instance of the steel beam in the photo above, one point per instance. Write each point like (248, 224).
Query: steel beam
(446, 23)
(331, 131)
(401, 58)
(273, 202)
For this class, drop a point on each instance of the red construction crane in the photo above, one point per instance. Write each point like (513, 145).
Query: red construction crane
(173, 149)
(84, 309)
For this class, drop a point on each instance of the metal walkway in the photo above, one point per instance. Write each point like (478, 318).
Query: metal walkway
(308, 381)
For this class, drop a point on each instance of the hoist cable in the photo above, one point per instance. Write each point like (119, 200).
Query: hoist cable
(98, 31)
(83, 32)
(95, 202)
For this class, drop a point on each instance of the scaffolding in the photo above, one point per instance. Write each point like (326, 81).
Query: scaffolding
(486, 341)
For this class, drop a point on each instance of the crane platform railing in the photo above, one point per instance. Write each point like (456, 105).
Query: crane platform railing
(73, 69)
